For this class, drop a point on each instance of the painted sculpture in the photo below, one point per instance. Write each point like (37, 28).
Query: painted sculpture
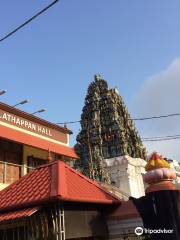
(159, 175)
(107, 130)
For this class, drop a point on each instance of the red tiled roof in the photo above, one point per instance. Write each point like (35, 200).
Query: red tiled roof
(18, 214)
(126, 210)
(54, 180)
(33, 187)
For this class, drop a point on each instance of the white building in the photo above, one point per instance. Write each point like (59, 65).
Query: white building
(127, 174)
(176, 166)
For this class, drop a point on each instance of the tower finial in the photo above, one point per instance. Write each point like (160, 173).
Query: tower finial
(97, 77)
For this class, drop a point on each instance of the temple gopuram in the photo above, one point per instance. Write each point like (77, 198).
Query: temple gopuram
(107, 131)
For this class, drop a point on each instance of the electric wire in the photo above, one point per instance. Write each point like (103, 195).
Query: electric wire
(159, 140)
(154, 117)
(134, 119)
(147, 139)
(169, 136)
(28, 21)
(61, 123)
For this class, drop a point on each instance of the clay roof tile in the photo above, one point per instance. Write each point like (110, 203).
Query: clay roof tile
(54, 180)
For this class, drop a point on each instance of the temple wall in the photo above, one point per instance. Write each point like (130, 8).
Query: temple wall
(120, 228)
(126, 174)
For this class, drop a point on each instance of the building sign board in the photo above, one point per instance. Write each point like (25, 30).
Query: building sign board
(34, 127)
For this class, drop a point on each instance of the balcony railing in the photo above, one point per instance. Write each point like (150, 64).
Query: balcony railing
(10, 172)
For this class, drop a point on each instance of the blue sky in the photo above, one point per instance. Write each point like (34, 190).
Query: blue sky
(52, 60)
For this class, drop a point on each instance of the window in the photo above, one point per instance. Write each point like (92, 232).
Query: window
(10, 161)
(35, 162)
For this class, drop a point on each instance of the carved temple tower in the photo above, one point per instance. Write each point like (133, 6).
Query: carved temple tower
(107, 130)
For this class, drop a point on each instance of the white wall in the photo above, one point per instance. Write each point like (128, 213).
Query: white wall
(126, 173)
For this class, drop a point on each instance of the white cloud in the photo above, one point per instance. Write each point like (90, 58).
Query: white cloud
(160, 95)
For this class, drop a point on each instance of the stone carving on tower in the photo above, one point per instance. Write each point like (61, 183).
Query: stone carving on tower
(107, 131)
